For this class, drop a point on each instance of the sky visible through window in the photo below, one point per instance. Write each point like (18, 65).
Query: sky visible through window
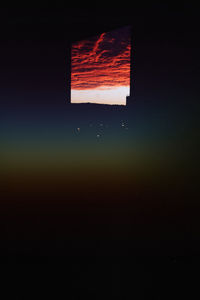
(100, 70)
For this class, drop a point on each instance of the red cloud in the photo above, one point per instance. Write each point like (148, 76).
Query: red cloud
(103, 62)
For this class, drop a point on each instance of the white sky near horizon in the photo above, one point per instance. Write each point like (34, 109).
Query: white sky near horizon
(114, 95)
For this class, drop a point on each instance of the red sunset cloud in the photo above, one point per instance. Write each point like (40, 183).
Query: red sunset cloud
(102, 62)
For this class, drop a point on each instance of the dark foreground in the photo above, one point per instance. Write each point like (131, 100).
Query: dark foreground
(114, 216)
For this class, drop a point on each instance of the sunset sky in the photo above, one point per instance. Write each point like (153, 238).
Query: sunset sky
(101, 68)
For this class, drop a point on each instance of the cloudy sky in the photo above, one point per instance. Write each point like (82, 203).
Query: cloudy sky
(101, 68)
